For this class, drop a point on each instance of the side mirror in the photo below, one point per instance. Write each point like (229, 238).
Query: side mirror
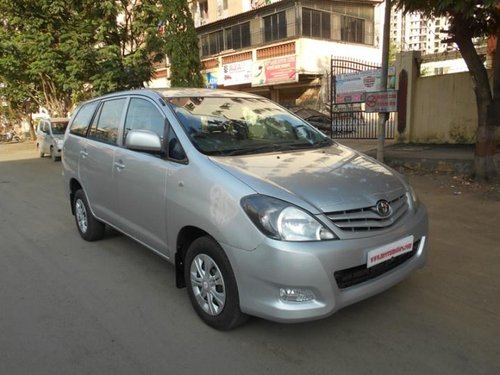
(143, 140)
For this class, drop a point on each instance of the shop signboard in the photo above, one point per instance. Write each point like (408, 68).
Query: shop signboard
(274, 71)
(237, 73)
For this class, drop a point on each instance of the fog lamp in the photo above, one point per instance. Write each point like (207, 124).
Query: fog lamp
(296, 295)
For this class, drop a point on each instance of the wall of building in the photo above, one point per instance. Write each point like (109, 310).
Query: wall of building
(314, 56)
(444, 109)
(441, 108)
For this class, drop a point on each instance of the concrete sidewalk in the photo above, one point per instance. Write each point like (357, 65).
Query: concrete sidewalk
(458, 159)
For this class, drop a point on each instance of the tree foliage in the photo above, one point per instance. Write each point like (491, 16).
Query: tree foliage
(181, 44)
(470, 19)
(58, 52)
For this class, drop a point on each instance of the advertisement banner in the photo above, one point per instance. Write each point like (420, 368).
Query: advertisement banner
(273, 71)
(210, 80)
(364, 81)
(350, 97)
(237, 73)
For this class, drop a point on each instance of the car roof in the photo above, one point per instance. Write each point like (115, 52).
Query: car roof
(194, 92)
(59, 119)
(180, 92)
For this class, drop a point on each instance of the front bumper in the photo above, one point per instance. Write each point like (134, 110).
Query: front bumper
(57, 151)
(311, 266)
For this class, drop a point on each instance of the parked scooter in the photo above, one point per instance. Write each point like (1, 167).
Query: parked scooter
(10, 136)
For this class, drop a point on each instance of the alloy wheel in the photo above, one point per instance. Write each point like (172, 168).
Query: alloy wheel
(81, 215)
(208, 284)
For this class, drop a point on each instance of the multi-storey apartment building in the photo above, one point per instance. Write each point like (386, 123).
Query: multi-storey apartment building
(282, 49)
(415, 32)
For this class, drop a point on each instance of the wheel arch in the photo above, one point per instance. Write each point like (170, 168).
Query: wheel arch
(74, 186)
(185, 238)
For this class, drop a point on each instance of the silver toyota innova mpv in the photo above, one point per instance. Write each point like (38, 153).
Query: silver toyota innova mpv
(260, 213)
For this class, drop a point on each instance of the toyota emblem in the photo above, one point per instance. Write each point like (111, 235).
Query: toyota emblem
(383, 208)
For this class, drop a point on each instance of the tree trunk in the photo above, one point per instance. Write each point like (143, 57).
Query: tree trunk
(484, 162)
(32, 128)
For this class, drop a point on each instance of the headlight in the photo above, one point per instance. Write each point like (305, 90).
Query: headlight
(412, 195)
(283, 221)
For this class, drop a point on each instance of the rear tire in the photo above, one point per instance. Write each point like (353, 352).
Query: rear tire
(89, 227)
(212, 286)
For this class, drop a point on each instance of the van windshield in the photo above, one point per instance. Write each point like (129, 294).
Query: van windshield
(59, 127)
(237, 126)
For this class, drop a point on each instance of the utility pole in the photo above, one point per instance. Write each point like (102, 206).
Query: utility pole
(383, 116)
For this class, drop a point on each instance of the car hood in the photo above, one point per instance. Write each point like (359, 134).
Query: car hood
(321, 180)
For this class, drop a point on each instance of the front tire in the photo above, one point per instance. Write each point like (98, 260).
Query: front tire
(89, 227)
(211, 285)
(53, 155)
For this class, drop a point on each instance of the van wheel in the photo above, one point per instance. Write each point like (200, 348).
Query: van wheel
(53, 155)
(40, 153)
(88, 226)
(211, 285)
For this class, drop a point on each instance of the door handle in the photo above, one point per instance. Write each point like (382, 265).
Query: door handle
(84, 153)
(119, 165)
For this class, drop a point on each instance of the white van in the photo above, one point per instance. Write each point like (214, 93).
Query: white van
(50, 136)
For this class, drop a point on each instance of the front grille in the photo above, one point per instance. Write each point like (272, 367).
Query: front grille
(367, 218)
(356, 275)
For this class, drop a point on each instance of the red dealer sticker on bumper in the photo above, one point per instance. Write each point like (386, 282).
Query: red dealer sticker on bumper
(389, 251)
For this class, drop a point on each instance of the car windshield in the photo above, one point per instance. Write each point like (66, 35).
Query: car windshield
(59, 127)
(237, 126)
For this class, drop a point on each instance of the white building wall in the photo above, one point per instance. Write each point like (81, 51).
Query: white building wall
(313, 56)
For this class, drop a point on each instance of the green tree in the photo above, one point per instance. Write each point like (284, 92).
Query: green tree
(128, 44)
(37, 59)
(393, 52)
(181, 44)
(471, 19)
(58, 52)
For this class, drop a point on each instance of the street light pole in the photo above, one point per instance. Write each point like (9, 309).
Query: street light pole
(383, 116)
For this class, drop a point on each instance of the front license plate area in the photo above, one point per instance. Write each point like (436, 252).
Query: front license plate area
(389, 251)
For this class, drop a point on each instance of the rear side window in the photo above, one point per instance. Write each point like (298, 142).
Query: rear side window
(82, 119)
(106, 128)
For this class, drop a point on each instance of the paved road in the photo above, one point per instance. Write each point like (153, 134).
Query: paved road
(111, 307)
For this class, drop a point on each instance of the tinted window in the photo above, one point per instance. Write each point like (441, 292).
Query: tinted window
(106, 128)
(59, 127)
(175, 150)
(43, 127)
(212, 43)
(143, 114)
(238, 36)
(82, 119)
(275, 27)
(352, 29)
(316, 23)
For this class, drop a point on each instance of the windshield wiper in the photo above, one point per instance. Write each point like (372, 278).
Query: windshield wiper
(275, 147)
(252, 150)
(323, 143)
